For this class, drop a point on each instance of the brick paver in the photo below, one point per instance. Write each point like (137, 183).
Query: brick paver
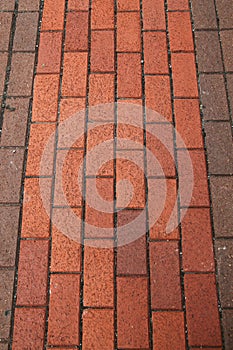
(79, 276)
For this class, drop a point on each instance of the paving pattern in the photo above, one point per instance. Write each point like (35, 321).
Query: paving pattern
(146, 80)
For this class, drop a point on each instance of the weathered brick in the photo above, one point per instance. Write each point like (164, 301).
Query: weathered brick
(102, 14)
(77, 31)
(180, 31)
(128, 32)
(129, 75)
(26, 32)
(49, 59)
(102, 51)
(154, 15)
(53, 16)
(155, 53)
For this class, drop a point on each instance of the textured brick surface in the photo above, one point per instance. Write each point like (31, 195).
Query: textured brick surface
(225, 13)
(6, 292)
(5, 26)
(77, 31)
(53, 17)
(178, 5)
(228, 330)
(128, 32)
(155, 53)
(3, 65)
(102, 51)
(25, 40)
(129, 75)
(7, 5)
(102, 14)
(154, 15)
(20, 83)
(204, 14)
(49, 58)
(180, 40)
(29, 5)
(227, 44)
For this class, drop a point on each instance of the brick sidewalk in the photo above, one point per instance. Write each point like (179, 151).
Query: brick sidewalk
(127, 284)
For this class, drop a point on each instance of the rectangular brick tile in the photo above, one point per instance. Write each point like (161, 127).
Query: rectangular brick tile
(11, 165)
(131, 5)
(9, 217)
(99, 215)
(171, 323)
(64, 310)
(36, 221)
(225, 13)
(3, 66)
(129, 75)
(155, 53)
(29, 5)
(130, 171)
(102, 51)
(102, 136)
(66, 251)
(29, 328)
(68, 183)
(165, 275)
(158, 98)
(188, 124)
(75, 74)
(53, 16)
(224, 257)
(7, 5)
(71, 106)
(102, 14)
(128, 32)
(98, 329)
(213, 97)
(49, 59)
(153, 15)
(15, 122)
(221, 192)
(33, 273)
(78, 5)
(228, 328)
(219, 147)
(192, 170)
(208, 51)
(98, 274)
(160, 146)
(197, 244)
(21, 75)
(26, 32)
(101, 91)
(5, 28)
(180, 31)
(131, 252)
(202, 310)
(76, 31)
(184, 75)
(42, 138)
(132, 312)
(45, 100)
(6, 291)
(162, 203)
(227, 43)
(204, 14)
(178, 4)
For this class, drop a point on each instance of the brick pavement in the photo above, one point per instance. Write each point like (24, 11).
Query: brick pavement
(158, 291)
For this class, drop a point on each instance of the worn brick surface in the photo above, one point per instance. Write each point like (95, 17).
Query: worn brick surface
(128, 32)
(178, 5)
(131, 5)
(180, 39)
(3, 66)
(53, 17)
(20, 83)
(225, 13)
(102, 51)
(227, 45)
(29, 5)
(49, 59)
(154, 15)
(102, 14)
(25, 40)
(155, 53)
(76, 5)
(5, 27)
(204, 14)
(228, 330)
(6, 293)
(208, 51)
(129, 75)
(7, 5)
(77, 31)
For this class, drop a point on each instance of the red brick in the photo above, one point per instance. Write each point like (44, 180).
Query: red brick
(66, 252)
(202, 310)
(200, 193)
(5, 27)
(153, 15)
(130, 5)
(159, 141)
(53, 16)
(76, 31)
(132, 312)
(78, 5)
(3, 65)
(130, 171)
(128, 32)
(180, 31)
(168, 323)
(68, 183)
(184, 75)
(98, 329)
(132, 257)
(40, 136)
(158, 99)
(100, 135)
(178, 4)
(101, 91)
(29, 328)
(99, 215)
(155, 53)
(165, 275)
(159, 215)
(45, 100)
(102, 14)
(188, 123)
(49, 59)
(197, 245)
(64, 310)
(75, 74)
(71, 106)
(102, 51)
(99, 275)
(33, 273)
(129, 75)
(36, 222)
